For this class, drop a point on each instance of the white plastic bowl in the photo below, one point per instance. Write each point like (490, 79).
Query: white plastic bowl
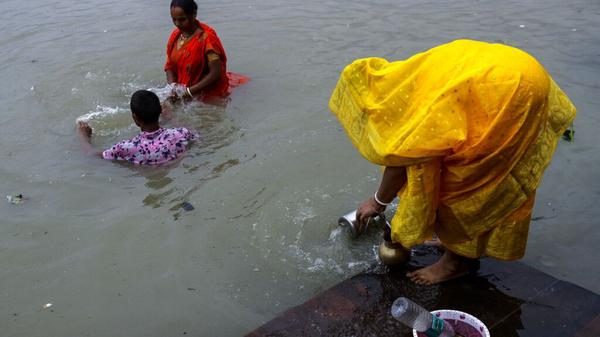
(461, 316)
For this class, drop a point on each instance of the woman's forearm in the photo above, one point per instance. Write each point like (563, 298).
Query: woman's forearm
(213, 75)
(392, 181)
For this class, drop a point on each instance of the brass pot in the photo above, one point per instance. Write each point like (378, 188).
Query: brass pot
(393, 253)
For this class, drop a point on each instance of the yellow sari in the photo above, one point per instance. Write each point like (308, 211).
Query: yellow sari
(475, 124)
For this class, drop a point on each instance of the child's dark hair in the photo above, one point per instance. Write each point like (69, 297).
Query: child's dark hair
(146, 106)
(189, 6)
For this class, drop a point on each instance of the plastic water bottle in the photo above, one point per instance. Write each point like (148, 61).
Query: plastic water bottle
(418, 318)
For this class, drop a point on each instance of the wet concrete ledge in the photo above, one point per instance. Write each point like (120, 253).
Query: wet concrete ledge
(511, 298)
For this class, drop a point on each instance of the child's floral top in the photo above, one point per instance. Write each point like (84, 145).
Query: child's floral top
(150, 148)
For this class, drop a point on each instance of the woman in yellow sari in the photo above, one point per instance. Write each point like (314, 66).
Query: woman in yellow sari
(464, 132)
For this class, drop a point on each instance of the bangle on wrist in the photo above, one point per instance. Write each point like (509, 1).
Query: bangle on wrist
(384, 204)
(189, 92)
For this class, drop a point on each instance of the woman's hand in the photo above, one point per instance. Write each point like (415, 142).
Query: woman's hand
(392, 181)
(174, 96)
(188, 95)
(367, 210)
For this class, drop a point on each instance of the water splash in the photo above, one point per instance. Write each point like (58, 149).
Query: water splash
(335, 234)
(165, 92)
(100, 113)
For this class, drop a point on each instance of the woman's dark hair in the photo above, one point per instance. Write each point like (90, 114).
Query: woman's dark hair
(189, 6)
(146, 106)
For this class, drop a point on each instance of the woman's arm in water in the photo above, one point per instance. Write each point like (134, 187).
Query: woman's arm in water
(213, 75)
(171, 76)
(394, 178)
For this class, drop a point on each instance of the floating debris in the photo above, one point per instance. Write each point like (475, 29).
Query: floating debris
(187, 206)
(569, 135)
(15, 199)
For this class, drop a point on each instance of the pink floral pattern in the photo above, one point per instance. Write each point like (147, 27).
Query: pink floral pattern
(152, 148)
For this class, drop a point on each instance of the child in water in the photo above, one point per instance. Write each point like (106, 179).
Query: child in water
(154, 145)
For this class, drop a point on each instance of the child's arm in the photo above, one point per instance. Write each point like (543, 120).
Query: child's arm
(85, 134)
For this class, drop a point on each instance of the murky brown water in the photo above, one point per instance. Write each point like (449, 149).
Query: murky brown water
(108, 244)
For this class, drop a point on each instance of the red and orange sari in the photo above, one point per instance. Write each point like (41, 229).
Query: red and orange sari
(190, 61)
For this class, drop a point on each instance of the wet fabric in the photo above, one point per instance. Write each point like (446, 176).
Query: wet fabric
(475, 124)
(152, 148)
(189, 61)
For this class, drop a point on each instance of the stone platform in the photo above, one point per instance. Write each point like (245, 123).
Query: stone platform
(511, 298)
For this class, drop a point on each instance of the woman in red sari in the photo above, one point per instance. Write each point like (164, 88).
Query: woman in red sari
(195, 56)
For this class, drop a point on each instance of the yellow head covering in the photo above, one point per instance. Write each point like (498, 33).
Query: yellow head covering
(474, 123)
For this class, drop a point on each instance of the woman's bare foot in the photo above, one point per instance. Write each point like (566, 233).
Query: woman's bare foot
(448, 267)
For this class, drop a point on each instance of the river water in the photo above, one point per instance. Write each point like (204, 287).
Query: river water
(109, 246)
